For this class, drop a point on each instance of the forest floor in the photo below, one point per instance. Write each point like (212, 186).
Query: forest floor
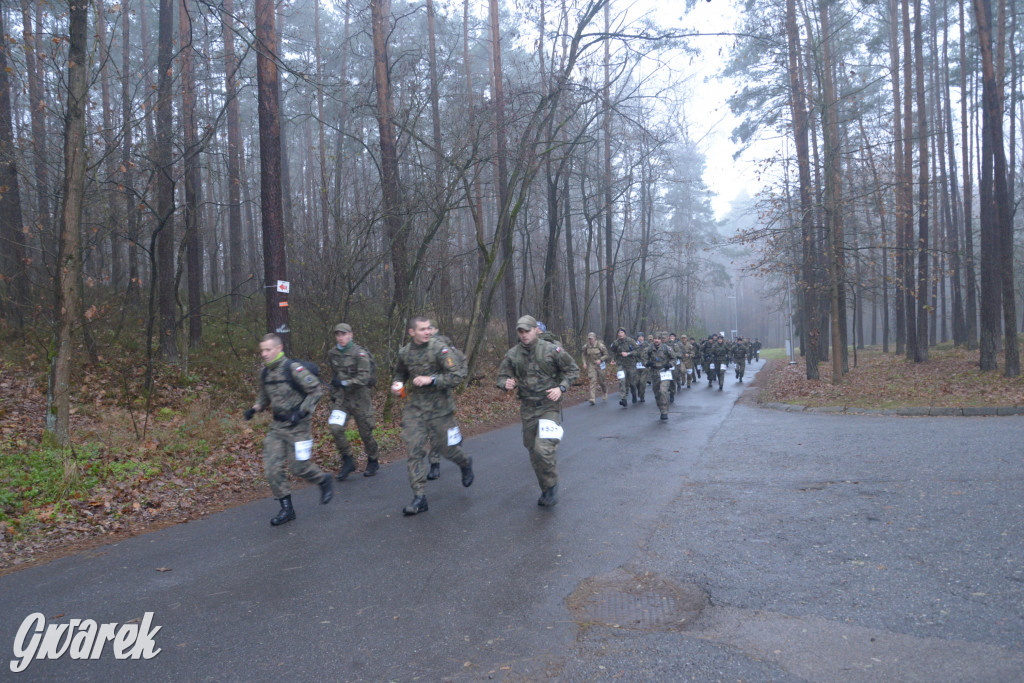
(137, 466)
(950, 378)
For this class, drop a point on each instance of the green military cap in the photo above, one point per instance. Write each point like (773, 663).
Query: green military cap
(527, 322)
(343, 327)
(591, 336)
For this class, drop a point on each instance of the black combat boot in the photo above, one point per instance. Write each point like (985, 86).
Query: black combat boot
(348, 466)
(286, 514)
(418, 505)
(672, 397)
(435, 471)
(326, 489)
(664, 416)
(622, 401)
(371, 468)
(467, 473)
(548, 497)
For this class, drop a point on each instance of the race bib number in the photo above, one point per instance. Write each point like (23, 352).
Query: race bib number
(454, 436)
(639, 366)
(338, 417)
(549, 429)
(602, 365)
(689, 371)
(722, 366)
(621, 374)
(666, 375)
(303, 449)
(678, 361)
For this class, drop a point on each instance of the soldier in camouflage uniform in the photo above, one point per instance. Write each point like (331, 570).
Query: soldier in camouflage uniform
(432, 371)
(351, 395)
(640, 378)
(719, 353)
(688, 351)
(660, 358)
(673, 343)
(623, 349)
(740, 351)
(434, 457)
(291, 392)
(595, 355)
(540, 372)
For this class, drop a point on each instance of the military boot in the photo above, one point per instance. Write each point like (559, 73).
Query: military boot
(418, 505)
(286, 514)
(348, 466)
(467, 473)
(326, 489)
(435, 471)
(548, 497)
(622, 401)
(371, 468)
(664, 416)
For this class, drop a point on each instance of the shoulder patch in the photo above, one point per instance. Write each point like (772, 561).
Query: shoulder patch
(558, 349)
(297, 368)
(309, 379)
(362, 353)
(444, 350)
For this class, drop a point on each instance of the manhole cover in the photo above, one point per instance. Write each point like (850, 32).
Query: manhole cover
(644, 602)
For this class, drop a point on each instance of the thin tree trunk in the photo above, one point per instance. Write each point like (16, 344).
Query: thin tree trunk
(69, 257)
(971, 312)
(193, 239)
(37, 112)
(921, 349)
(165, 185)
(15, 299)
(235, 254)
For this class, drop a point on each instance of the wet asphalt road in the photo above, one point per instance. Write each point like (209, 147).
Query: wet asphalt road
(805, 547)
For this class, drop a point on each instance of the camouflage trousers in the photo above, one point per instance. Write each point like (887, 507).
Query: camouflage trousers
(689, 375)
(279, 449)
(596, 376)
(542, 451)
(640, 382)
(741, 367)
(626, 384)
(365, 422)
(422, 429)
(662, 388)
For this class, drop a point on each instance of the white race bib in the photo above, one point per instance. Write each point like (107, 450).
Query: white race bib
(639, 366)
(338, 417)
(549, 429)
(602, 365)
(621, 374)
(454, 436)
(666, 375)
(677, 361)
(689, 371)
(722, 366)
(303, 450)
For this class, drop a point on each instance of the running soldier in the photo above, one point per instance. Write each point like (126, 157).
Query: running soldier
(659, 360)
(624, 349)
(595, 355)
(351, 395)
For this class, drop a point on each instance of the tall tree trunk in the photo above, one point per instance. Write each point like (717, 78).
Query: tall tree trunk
(921, 350)
(37, 111)
(390, 191)
(971, 312)
(113, 221)
(800, 126)
(15, 298)
(503, 231)
(235, 253)
(69, 256)
(907, 220)
(997, 239)
(131, 202)
(833, 209)
(606, 127)
(165, 184)
(193, 239)
(268, 89)
(955, 219)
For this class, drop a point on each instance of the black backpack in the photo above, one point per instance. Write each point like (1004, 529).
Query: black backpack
(313, 368)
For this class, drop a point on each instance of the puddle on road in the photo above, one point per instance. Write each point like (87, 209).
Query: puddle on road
(644, 601)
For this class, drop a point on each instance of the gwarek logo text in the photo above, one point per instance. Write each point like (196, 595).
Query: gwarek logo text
(82, 639)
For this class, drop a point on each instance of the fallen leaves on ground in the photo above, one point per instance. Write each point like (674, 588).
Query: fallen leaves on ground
(949, 378)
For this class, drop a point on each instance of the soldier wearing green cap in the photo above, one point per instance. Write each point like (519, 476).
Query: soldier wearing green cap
(660, 359)
(541, 372)
(291, 392)
(431, 371)
(595, 355)
(624, 349)
(351, 396)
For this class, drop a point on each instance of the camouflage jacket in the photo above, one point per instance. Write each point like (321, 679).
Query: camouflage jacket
(596, 354)
(433, 359)
(718, 353)
(351, 365)
(277, 393)
(659, 356)
(740, 351)
(626, 344)
(537, 368)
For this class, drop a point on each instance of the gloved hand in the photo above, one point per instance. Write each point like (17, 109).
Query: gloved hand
(337, 383)
(296, 417)
(249, 413)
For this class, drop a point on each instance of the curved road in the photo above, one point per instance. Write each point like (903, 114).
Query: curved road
(728, 543)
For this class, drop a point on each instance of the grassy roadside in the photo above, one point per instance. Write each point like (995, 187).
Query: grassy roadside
(950, 378)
